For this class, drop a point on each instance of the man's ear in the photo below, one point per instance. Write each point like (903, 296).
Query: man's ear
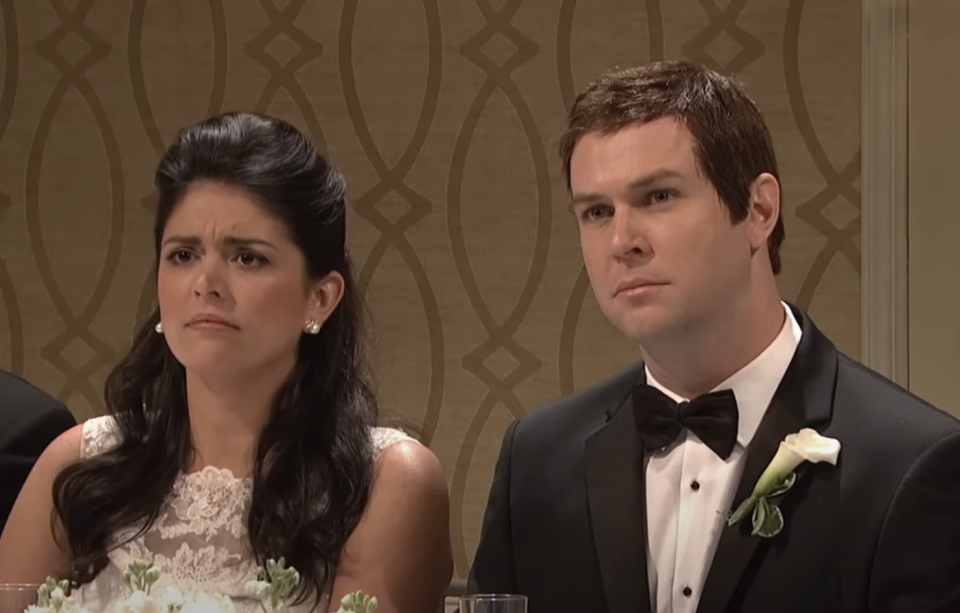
(764, 210)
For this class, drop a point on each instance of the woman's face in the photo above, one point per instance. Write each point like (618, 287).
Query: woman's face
(233, 287)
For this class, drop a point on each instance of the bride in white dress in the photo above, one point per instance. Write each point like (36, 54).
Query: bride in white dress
(240, 428)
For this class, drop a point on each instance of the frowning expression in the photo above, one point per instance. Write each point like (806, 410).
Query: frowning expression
(232, 285)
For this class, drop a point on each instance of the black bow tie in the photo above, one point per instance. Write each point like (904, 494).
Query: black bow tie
(713, 417)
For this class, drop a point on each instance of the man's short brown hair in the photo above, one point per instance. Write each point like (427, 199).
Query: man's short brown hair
(732, 142)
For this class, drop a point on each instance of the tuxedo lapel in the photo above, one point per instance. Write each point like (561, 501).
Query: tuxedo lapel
(613, 459)
(804, 399)
(737, 545)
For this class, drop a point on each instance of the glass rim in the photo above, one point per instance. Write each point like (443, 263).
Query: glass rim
(493, 597)
(21, 586)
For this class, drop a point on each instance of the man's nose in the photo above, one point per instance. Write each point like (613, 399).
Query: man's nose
(626, 233)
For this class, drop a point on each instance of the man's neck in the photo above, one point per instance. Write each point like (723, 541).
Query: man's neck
(711, 354)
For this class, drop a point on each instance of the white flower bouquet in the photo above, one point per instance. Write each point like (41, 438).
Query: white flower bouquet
(272, 589)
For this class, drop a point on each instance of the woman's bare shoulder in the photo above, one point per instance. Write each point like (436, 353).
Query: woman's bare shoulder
(62, 451)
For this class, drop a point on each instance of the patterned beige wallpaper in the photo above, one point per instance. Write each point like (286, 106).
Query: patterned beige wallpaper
(444, 115)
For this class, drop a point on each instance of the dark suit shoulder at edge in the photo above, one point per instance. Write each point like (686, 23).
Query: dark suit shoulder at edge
(588, 406)
(900, 403)
(14, 388)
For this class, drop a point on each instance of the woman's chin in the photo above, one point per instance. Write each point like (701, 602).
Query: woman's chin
(219, 363)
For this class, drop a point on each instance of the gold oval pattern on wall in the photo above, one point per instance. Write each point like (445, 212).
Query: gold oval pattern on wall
(72, 89)
(500, 336)
(283, 74)
(444, 116)
(839, 184)
(392, 181)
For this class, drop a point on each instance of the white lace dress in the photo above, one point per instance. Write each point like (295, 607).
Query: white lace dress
(198, 540)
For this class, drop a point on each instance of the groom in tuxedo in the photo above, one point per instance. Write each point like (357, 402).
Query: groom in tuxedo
(617, 499)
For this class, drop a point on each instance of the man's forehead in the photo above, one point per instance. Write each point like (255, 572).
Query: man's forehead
(632, 153)
(643, 144)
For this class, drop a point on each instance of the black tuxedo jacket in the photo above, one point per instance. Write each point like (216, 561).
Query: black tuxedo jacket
(880, 532)
(29, 421)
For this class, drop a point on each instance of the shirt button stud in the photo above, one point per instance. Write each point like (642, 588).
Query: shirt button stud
(687, 591)
(695, 485)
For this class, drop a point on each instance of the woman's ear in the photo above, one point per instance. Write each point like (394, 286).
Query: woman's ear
(325, 295)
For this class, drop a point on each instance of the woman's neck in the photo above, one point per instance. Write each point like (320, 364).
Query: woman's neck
(227, 415)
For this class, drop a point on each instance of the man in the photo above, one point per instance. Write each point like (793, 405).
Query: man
(29, 421)
(617, 499)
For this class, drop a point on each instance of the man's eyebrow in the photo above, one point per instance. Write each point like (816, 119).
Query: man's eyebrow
(635, 185)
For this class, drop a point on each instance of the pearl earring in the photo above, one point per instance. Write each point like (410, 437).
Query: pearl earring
(312, 327)
(159, 327)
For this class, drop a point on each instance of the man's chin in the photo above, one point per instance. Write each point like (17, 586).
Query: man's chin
(649, 326)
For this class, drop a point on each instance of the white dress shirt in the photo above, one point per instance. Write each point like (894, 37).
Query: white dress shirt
(689, 488)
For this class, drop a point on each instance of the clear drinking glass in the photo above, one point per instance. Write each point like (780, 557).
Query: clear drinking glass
(492, 603)
(15, 597)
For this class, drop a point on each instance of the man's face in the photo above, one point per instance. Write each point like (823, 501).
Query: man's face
(658, 243)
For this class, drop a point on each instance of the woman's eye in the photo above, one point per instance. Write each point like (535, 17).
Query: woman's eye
(180, 256)
(250, 260)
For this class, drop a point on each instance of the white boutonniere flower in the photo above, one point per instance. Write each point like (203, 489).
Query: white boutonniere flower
(779, 476)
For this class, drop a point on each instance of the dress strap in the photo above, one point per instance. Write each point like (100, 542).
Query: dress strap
(99, 434)
(384, 438)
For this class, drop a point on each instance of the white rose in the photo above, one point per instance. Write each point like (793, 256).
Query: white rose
(258, 590)
(138, 602)
(201, 607)
(806, 445)
(71, 606)
(57, 598)
(61, 603)
(171, 600)
(209, 603)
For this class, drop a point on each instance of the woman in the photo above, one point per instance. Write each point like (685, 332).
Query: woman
(240, 428)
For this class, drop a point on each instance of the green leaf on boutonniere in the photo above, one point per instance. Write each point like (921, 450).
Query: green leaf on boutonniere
(745, 507)
(760, 514)
(767, 519)
(784, 486)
